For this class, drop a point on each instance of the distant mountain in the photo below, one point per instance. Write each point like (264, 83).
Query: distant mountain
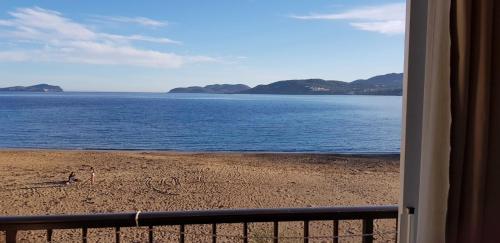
(213, 89)
(391, 84)
(388, 84)
(301, 86)
(34, 88)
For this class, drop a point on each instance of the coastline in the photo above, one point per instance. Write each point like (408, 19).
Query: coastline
(174, 151)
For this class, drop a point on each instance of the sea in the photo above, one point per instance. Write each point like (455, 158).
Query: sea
(201, 122)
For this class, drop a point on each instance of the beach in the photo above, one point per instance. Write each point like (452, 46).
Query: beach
(32, 182)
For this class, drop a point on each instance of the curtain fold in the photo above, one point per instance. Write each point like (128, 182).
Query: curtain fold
(474, 195)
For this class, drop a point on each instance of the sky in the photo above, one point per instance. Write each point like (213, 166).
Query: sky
(157, 45)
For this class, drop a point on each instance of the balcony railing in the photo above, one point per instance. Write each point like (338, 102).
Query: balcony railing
(12, 224)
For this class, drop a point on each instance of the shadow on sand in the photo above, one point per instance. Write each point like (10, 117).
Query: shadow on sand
(46, 184)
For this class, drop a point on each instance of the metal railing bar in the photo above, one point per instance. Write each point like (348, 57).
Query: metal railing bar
(12, 224)
(195, 217)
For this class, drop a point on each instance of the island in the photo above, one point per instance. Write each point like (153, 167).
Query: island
(34, 88)
(387, 84)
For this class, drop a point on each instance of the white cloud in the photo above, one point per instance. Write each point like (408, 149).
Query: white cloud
(133, 20)
(47, 36)
(384, 27)
(386, 19)
(139, 38)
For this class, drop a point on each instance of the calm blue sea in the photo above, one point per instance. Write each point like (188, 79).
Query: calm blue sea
(200, 122)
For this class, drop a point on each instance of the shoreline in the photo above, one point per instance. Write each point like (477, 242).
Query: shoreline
(347, 154)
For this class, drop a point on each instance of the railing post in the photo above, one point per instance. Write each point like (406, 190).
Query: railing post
(214, 233)
(245, 232)
(49, 235)
(367, 230)
(10, 236)
(276, 232)
(151, 237)
(181, 234)
(117, 234)
(396, 234)
(335, 231)
(306, 231)
(84, 235)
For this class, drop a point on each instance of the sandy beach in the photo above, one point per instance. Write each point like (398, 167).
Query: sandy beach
(32, 182)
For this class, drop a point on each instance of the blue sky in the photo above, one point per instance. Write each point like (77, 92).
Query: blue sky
(154, 46)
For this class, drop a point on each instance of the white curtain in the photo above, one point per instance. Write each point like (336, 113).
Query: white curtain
(436, 124)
